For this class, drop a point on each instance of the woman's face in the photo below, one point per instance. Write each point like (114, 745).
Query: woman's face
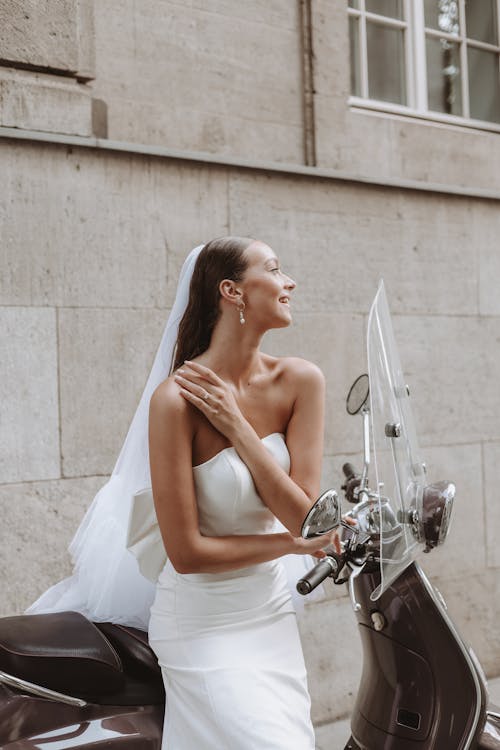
(266, 288)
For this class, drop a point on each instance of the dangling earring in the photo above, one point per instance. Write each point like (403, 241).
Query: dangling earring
(240, 310)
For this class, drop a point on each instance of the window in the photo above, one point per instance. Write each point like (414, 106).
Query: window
(437, 58)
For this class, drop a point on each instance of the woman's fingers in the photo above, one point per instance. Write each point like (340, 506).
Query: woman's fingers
(197, 401)
(197, 390)
(204, 372)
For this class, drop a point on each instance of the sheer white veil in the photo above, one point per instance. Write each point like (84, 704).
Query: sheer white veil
(106, 584)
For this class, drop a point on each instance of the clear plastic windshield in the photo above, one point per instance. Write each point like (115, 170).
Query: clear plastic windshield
(398, 468)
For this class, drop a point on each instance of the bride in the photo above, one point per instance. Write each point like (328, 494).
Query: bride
(234, 439)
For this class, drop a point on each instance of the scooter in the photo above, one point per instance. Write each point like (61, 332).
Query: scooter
(66, 682)
(422, 686)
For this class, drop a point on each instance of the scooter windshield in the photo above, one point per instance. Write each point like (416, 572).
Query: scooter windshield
(399, 471)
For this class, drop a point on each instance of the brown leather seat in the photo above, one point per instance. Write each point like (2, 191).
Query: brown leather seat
(100, 662)
(144, 681)
(61, 651)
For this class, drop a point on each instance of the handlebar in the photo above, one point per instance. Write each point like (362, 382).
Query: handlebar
(349, 471)
(352, 482)
(328, 566)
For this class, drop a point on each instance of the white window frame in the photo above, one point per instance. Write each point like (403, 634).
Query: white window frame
(415, 34)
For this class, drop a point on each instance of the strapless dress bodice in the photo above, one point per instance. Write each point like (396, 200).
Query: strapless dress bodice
(227, 499)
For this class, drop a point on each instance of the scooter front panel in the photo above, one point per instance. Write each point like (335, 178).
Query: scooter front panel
(416, 624)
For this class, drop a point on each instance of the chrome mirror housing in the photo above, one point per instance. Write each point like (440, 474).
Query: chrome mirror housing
(325, 515)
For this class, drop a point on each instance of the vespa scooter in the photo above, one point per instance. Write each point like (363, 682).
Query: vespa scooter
(422, 687)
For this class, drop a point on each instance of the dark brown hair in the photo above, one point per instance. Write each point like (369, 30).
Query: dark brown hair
(221, 258)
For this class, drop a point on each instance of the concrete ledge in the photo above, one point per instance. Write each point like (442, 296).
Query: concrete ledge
(265, 166)
(44, 104)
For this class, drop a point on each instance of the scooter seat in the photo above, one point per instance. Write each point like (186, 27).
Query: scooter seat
(144, 682)
(62, 651)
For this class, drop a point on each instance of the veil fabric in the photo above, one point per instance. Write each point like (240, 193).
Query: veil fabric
(106, 584)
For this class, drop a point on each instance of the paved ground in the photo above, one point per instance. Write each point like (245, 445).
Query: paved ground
(334, 736)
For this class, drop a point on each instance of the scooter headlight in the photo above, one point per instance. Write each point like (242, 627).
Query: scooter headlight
(437, 505)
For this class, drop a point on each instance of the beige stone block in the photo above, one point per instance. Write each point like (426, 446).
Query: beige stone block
(29, 436)
(487, 219)
(39, 520)
(450, 364)
(337, 240)
(86, 39)
(491, 462)
(331, 49)
(116, 227)
(222, 64)
(105, 358)
(333, 656)
(36, 102)
(40, 33)
(213, 132)
(463, 551)
(473, 602)
(335, 343)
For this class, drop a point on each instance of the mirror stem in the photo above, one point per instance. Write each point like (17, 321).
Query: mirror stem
(366, 446)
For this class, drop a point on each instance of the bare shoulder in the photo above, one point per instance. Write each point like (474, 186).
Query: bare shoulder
(167, 402)
(300, 372)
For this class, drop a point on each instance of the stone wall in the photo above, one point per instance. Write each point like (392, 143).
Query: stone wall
(92, 242)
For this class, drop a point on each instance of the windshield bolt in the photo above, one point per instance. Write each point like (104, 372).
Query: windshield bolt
(393, 430)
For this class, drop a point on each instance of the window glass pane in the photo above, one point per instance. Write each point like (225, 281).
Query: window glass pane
(484, 85)
(442, 15)
(481, 20)
(386, 63)
(355, 58)
(354, 4)
(392, 8)
(444, 80)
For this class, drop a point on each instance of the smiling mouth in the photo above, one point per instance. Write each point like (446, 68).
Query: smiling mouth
(284, 300)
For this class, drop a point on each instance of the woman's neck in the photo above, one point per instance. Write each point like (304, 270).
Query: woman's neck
(234, 353)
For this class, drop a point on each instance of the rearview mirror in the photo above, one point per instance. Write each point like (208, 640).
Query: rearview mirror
(358, 394)
(324, 516)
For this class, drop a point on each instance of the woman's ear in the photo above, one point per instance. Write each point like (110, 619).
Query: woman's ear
(229, 291)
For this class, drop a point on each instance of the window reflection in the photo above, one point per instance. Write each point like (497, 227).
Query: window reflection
(386, 63)
(355, 56)
(444, 85)
(391, 8)
(481, 20)
(442, 15)
(484, 88)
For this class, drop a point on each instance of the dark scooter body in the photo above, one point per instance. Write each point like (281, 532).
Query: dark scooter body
(421, 686)
(99, 685)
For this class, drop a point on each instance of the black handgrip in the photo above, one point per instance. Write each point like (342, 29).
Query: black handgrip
(328, 566)
(349, 471)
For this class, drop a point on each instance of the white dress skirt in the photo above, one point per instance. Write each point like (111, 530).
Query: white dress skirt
(228, 643)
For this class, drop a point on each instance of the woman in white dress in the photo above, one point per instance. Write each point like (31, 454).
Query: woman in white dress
(235, 442)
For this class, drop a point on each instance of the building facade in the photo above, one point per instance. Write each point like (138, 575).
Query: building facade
(360, 140)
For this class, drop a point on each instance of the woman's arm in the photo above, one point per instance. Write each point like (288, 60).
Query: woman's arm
(170, 454)
(291, 496)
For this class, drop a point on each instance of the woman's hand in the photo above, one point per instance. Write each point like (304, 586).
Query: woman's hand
(315, 546)
(211, 395)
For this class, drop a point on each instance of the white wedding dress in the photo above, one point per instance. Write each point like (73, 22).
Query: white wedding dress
(228, 643)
